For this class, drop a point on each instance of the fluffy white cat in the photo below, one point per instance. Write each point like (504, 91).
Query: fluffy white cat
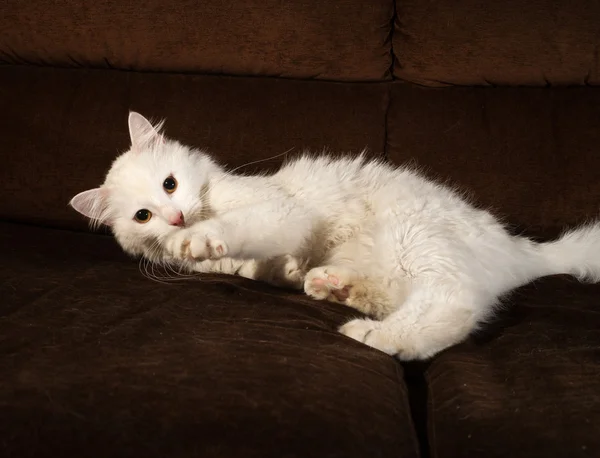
(411, 253)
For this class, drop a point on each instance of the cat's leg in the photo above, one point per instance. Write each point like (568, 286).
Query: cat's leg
(443, 302)
(345, 285)
(266, 230)
(434, 316)
(226, 266)
(283, 271)
(371, 297)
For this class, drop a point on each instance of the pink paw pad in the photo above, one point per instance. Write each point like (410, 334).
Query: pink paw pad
(318, 281)
(341, 294)
(219, 249)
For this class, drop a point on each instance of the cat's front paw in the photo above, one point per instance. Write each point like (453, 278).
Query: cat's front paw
(207, 242)
(202, 247)
(178, 244)
(198, 243)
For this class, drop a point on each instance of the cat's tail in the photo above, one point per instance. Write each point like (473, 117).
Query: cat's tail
(576, 252)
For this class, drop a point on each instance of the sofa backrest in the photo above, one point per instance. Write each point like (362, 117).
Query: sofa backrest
(365, 60)
(508, 42)
(346, 40)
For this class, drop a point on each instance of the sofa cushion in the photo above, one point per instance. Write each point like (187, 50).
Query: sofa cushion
(529, 385)
(347, 40)
(97, 360)
(63, 128)
(529, 154)
(510, 42)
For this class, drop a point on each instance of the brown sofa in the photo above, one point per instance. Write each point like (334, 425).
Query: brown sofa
(96, 360)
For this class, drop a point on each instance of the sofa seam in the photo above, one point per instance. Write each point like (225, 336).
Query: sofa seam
(389, 84)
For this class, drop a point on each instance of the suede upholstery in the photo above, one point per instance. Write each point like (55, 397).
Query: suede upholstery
(98, 360)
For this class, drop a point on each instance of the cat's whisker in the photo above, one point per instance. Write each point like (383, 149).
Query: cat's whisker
(158, 265)
(151, 261)
(162, 270)
(160, 279)
(150, 271)
(169, 271)
(140, 266)
(260, 160)
(147, 273)
(230, 172)
(146, 265)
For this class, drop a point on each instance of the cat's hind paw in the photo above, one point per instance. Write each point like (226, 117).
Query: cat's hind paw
(370, 333)
(329, 282)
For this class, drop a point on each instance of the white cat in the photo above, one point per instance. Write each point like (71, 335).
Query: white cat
(409, 252)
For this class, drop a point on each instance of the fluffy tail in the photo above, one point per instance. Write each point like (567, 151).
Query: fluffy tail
(576, 252)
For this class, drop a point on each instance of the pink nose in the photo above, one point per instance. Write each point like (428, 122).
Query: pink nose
(177, 220)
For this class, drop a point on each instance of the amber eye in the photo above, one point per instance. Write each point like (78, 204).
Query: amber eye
(143, 216)
(170, 184)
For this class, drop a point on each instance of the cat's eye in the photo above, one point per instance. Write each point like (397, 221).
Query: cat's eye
(143, 216)
(170, 184)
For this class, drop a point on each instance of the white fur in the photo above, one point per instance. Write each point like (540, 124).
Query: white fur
(410, 252)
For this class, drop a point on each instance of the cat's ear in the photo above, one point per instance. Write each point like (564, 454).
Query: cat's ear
(92, 204)
(142, 133)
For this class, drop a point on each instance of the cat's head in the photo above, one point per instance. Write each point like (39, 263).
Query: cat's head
(150, 191)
